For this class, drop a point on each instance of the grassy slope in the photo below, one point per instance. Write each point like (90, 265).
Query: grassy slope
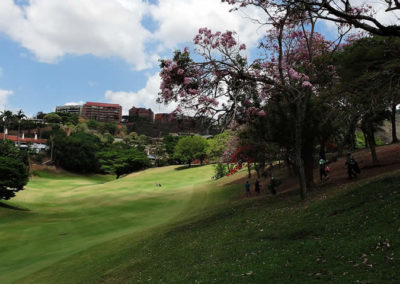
(353, 235)
(70, 213)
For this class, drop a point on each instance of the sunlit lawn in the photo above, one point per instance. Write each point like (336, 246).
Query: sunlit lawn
(69, 213)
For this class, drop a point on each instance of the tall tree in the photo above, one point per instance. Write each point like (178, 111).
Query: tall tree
(365, 85)
(190, 148)
(288, 70)
(14, 169)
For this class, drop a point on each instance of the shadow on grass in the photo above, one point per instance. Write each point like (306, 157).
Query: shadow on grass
(185, 167)
(12, 207)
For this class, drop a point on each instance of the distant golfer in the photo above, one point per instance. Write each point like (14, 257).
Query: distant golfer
(247, 187)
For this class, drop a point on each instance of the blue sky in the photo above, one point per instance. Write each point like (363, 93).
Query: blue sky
(54, 52)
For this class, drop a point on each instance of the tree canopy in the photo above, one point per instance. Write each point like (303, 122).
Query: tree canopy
(13, 169)
(190, 148)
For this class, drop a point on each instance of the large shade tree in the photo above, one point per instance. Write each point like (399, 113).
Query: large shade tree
(13, 169)
(225, 85)
(190, 148)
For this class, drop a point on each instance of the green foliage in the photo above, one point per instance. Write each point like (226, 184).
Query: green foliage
(52, 118)
(68, 118)
(77, 152)
(217, 145)
(220, 170)
(110, 128)
(190, 148)
(170, 143)
(52, 133)
(13, 169)
(93, 124)
(120, 159)
(360, 141)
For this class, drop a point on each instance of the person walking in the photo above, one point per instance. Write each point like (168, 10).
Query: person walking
(247, 187)
(322, 168)
(352, 166)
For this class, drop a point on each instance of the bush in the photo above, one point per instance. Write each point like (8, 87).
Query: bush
(220, 170)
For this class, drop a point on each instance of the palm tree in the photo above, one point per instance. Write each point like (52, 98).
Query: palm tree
(6, 116)
(19, 116)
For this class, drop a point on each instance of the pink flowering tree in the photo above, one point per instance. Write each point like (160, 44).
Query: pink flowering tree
(224, 85)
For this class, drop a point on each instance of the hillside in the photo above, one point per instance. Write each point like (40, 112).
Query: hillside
(193, 229)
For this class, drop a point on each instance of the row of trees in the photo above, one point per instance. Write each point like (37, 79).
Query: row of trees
(303, 90)
(85, 153)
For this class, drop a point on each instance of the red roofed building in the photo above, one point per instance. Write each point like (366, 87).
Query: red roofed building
(102, 112)
(35, 143)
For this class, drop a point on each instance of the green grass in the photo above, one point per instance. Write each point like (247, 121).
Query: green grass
(70, 213)
(195, 230)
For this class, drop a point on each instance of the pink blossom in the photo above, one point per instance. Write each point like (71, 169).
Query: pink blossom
(186, 81)
(242, 47)
(261, 113)
(306, 84)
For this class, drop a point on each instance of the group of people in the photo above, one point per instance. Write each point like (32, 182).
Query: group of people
(353, 170)
(257, 186)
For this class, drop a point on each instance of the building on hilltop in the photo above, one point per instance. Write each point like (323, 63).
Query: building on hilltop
(102, 112)
(141, 114)
(72, 109)
(162, 118)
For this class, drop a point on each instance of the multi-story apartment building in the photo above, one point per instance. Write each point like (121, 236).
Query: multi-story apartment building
(72, 109)
(102, 112)
(141, 113)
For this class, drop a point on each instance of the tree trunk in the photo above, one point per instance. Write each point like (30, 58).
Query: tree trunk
(288, 164)
(351, 135)
(322, 152)
(393, 121)
(258, 170)
(299, 119)
(249, 170)
(365, 138)
(340, 145)
(371, 142)
(308, 160)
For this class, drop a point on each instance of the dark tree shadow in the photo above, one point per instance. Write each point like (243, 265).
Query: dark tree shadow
(12, 207)
(185, 167)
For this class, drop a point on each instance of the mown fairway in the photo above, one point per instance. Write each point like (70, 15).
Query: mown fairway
(68, 213)
(194, 230)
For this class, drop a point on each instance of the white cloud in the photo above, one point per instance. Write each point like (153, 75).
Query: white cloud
(74, 103)
(145, 97)
(180, 20)
(4, 94)
(92, 83)
(51, 29)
